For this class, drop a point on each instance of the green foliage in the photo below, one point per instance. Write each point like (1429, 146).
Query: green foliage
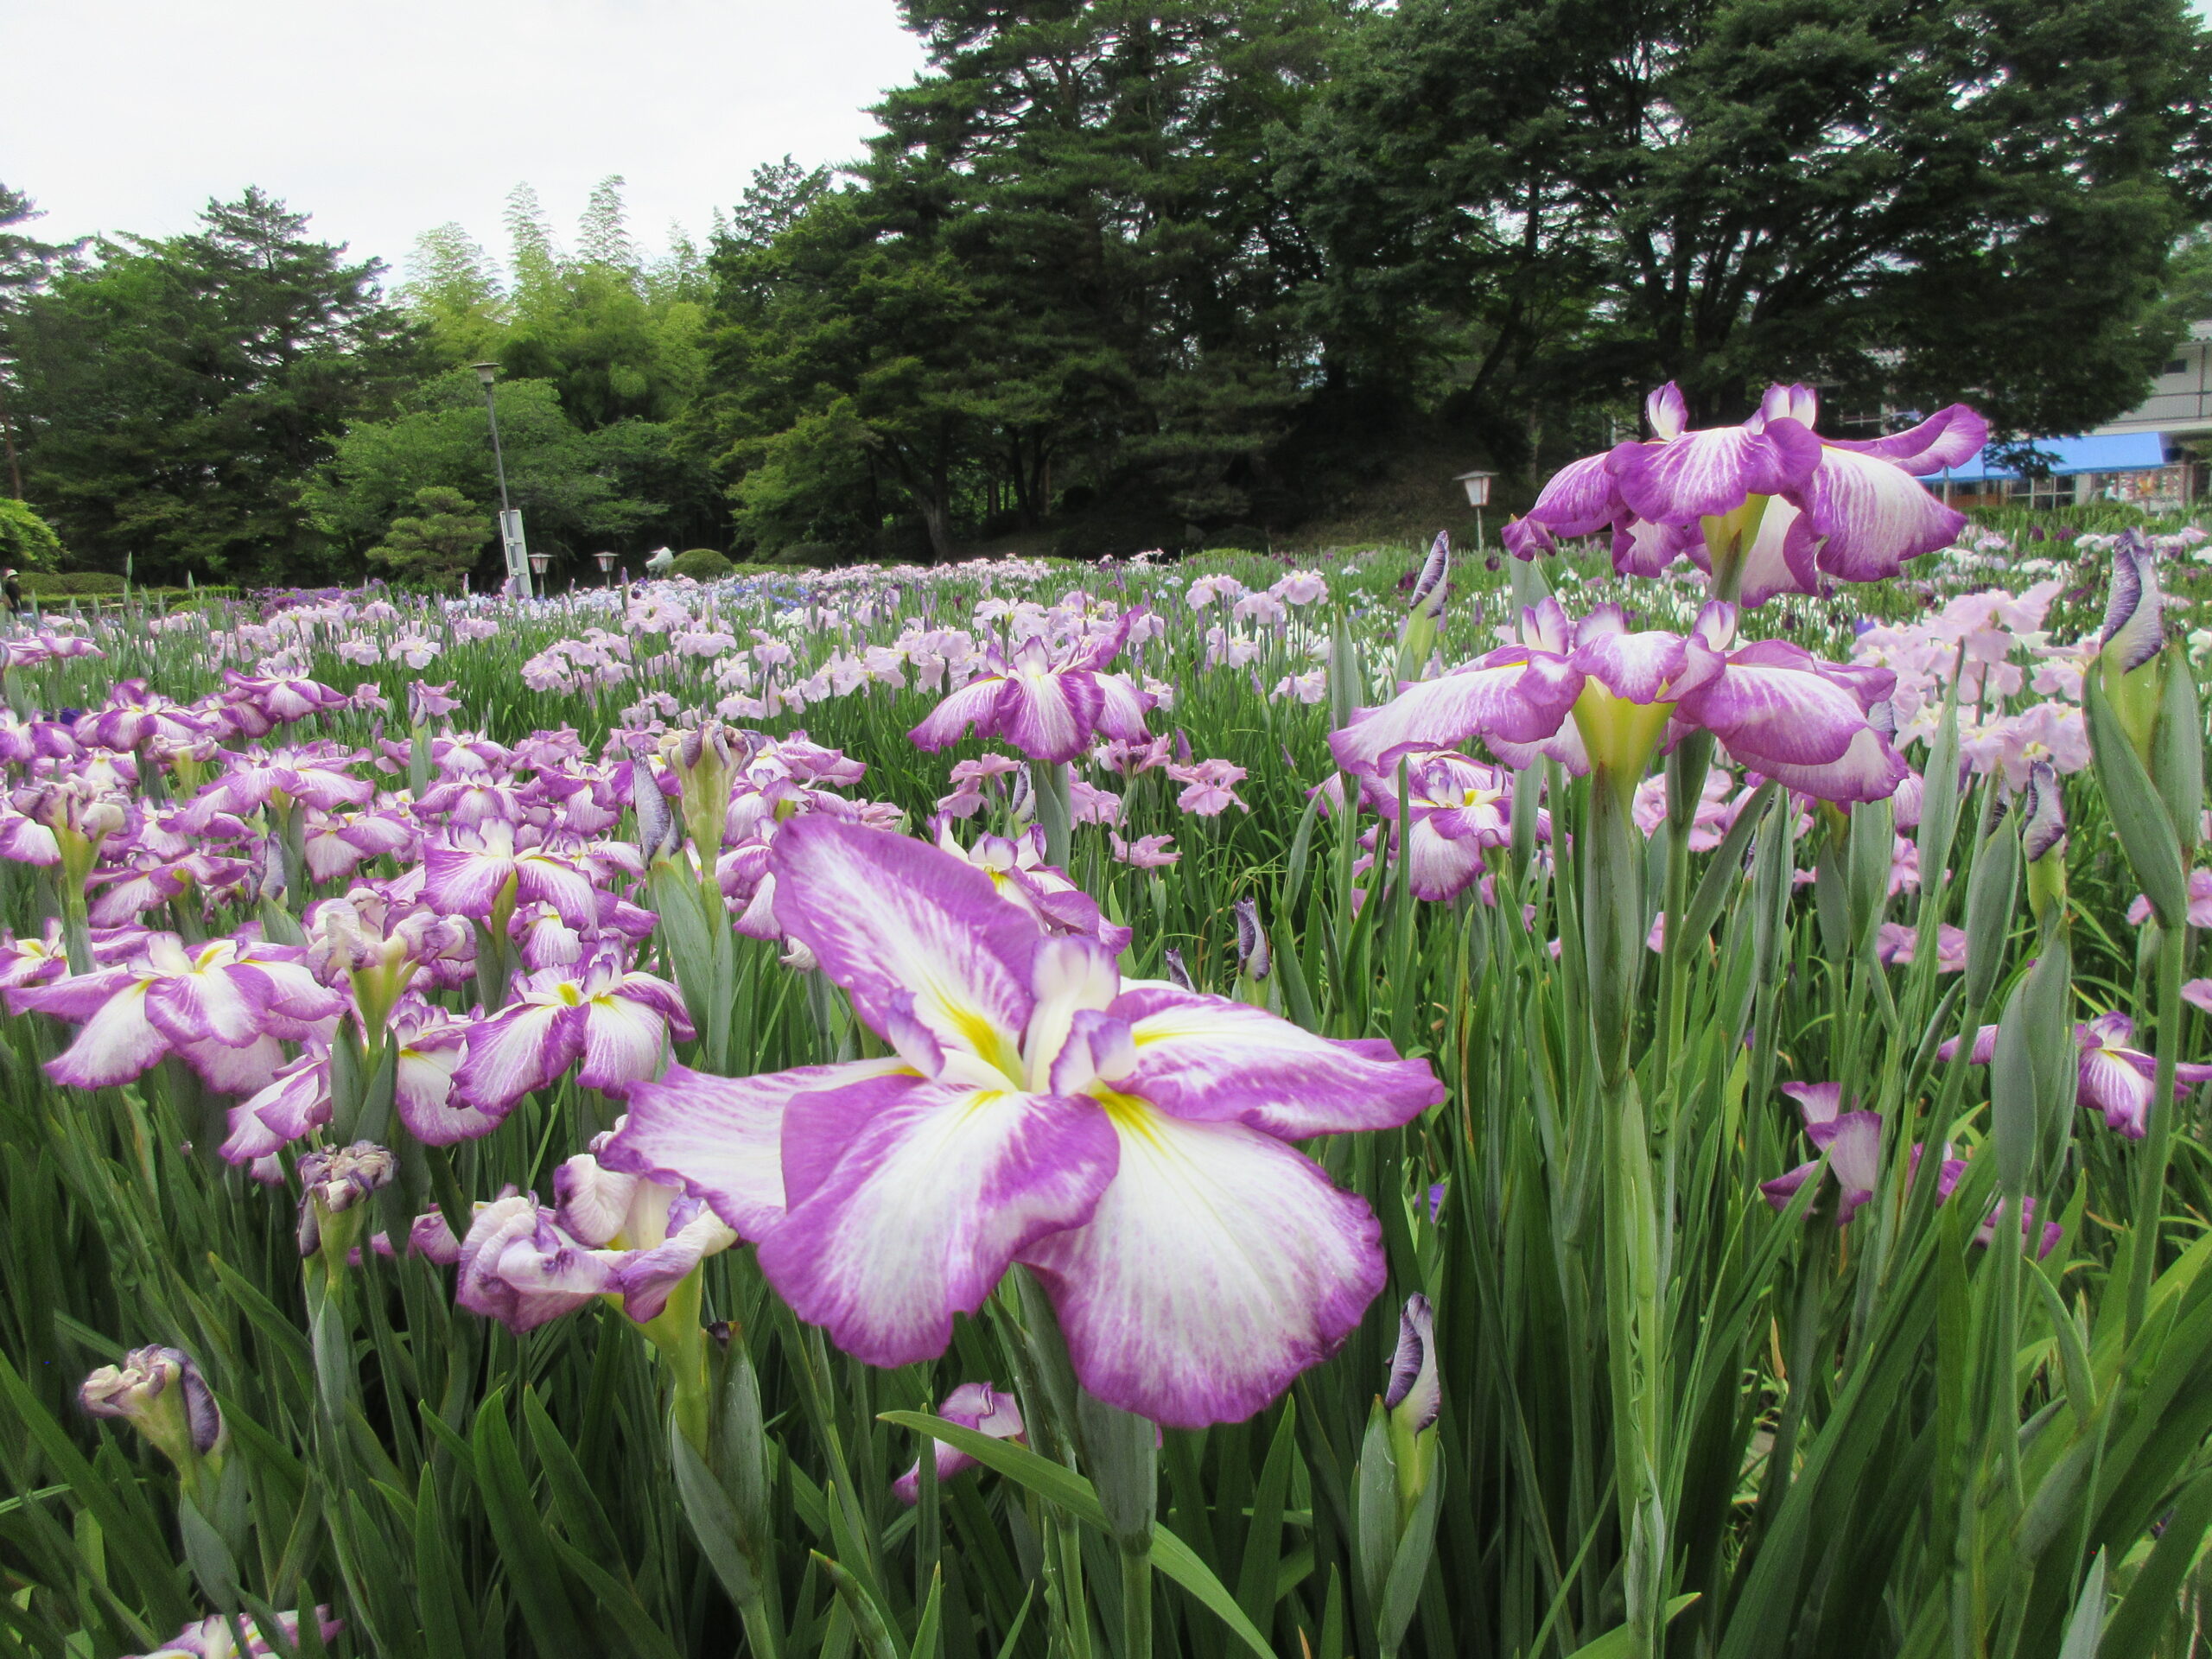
(27, 541)
(1556, 195)
(175, 391)
(441, 541)
(1064, 264)
(576, 491)
(62, 584)
(700, 564)
(453, 289)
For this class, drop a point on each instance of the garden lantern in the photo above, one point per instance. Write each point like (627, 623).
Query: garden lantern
(1477, 485)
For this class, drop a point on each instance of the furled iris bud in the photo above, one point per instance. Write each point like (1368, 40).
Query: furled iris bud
(656, 834)
(160, 1392)
(1179, 972)
(2043, 839)
(1254, 960)
(1425, 615)
(334, 1183)
(2134, 634)
(703, 759)
(1414, 1400)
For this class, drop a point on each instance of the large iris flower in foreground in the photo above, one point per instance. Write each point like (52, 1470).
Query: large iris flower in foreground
(1049, 703)
(1129, 1143)
(1775, 708)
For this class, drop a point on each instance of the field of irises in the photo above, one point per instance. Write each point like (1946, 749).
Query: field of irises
(1638, 1097)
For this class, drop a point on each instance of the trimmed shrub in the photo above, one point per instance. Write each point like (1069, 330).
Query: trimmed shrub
(64, 584)
(700, 564)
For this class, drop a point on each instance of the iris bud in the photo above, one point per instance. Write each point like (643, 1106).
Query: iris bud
(656, 834)
(1254, 962)
(1425, 616)
(335, 1184)
(2134, 634)
(1414, 1400)
(2043, 839)
(160, 1392)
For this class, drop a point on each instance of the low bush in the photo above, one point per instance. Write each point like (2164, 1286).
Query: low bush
(700, 564)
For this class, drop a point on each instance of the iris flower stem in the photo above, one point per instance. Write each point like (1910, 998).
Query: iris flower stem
(2158, 1144)
(1137, 1604)
(1673, 989)
(1686, 772)
(1635, 1322)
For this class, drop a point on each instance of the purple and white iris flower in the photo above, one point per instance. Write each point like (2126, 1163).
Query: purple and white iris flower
(1777, 709)
(1458, 810)
(478, 871)
(159, 1392)
(223, 1007)
(980, 1406)
(1017, 868)
(1786, 506)
(2116, 1080)
(616, 1022)
(211, 1638)
(427, 1044)
(1852, 1141)
(1050, 703)
(609, 1234)
(1130, 1144)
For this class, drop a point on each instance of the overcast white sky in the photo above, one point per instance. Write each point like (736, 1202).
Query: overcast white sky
(383, 119)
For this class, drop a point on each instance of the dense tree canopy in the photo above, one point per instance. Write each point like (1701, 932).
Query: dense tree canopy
(1909, 201)
(1114, 274)
(172, 393)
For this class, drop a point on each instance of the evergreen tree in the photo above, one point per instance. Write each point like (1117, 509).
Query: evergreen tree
(1064, 263)
(25, 264)
(440, 541)
(1907, 202)
(176, 393)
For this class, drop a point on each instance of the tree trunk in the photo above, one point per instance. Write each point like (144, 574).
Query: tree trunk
(936, 518)
(8, 442)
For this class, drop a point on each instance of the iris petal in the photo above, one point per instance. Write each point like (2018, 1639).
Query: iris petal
(1218, 1265)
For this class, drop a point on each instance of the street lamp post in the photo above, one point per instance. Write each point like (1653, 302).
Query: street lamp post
(1478, 487)
(511, 535)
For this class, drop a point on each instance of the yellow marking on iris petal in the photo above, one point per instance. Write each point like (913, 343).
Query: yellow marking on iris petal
(1132, 1117)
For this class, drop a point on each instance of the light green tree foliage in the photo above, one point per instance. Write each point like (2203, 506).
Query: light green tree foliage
(577, 490)
(611, 336)
(454, 288)
(619, 338)
(437, 544)
(27, 541)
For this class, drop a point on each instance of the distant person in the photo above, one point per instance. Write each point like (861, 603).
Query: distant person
(12, 590)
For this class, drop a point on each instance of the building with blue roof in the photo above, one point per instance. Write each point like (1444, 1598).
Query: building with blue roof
(2146, 457)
